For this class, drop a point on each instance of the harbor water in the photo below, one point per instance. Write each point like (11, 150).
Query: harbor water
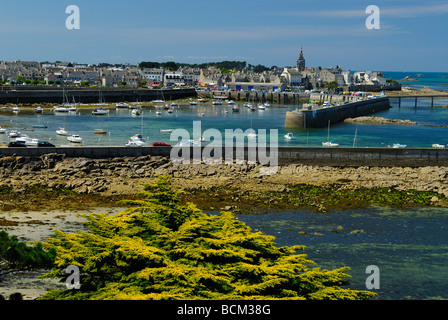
(120, 124)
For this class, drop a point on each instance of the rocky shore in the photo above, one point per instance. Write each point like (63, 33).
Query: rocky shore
(380, 120)
(103, 181)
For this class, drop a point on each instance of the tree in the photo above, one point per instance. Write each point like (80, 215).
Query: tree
(162, 249)
(18, 256)
(331, 85)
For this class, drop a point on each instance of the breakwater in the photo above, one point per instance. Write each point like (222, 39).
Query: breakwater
(316, 156)
(89, 95)
(317, 117)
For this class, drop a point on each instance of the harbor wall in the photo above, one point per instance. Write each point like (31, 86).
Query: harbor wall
(320, 116)
(317, 156)
(89, 95)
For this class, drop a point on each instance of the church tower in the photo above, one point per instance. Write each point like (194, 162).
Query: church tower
(301, 61)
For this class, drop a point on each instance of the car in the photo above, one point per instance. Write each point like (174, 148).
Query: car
(161, 144)
(45, 144)
(16, 145)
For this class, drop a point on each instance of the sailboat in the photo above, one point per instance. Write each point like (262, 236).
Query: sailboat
(137, 140)
(329, 143)
(101, 131)
(62, 131)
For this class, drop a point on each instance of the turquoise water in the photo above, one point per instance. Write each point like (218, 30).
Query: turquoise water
(433, 80)
(409, 246)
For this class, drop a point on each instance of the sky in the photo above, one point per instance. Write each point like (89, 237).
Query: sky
(412, 35)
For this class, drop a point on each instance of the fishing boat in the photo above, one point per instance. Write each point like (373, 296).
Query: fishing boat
(438, 146)
(99, 112)
(74, 138)
(289, 136)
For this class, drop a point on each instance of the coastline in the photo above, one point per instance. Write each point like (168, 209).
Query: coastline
(46, 182)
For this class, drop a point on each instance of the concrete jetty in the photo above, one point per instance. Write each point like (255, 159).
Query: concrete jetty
(315, 117)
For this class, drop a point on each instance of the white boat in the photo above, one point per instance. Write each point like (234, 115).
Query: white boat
(251, 108)
(23, 138)
(188, 143)
(438, 146)
(38, 109)
(100, 112)
(397, 146)
(158, 112)
(136, 140)
(32, 142)
(2, 130)
(159, 101)
(14, 134)
(193, 103)
(289, 136)
(134, 106)
(174, 104)
(246, 105)
(231, 102)
(136, 112)
(330, 143)
(170, 110)
(74, 138)
(217, 102)
(261, 107)
(61, 109)
(122, 105)
(266, 104)
(72, 109)
(15, 109)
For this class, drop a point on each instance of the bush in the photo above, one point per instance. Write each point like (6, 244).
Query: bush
(160, 249)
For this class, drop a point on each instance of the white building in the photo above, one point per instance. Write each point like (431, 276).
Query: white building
(155, 74)
(293, 76)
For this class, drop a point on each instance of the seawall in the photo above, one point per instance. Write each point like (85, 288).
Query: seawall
(316, 156)
(89, 95)
(316, 117)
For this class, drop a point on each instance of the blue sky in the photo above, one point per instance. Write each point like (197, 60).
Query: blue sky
(412, 34)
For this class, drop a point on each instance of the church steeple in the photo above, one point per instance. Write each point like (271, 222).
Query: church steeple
(301, 61)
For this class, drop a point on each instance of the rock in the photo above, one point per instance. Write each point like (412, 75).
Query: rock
(434, 199)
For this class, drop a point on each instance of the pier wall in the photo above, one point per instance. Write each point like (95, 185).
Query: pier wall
(55, 95)
(319, 117)
(318, 156)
